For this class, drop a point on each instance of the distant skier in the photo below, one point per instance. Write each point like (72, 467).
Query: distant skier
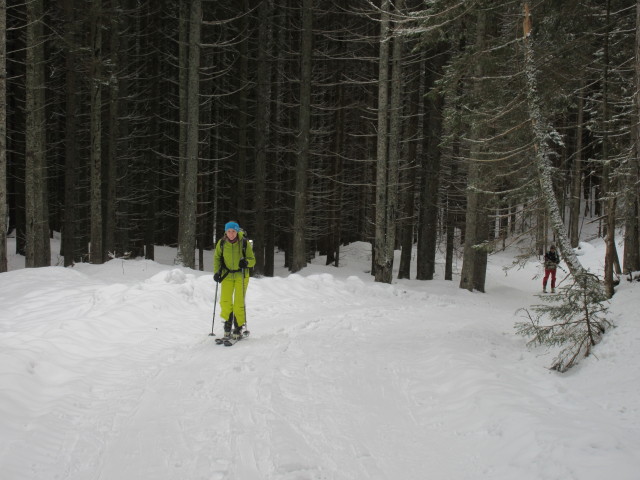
(551, 261)
(231, 262)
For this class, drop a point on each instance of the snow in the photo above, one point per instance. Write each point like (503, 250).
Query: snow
(108, 372)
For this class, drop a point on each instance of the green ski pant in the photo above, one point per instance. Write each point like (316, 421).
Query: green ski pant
(232, 297)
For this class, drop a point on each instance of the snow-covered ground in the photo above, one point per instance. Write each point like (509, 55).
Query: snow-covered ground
(108, 372)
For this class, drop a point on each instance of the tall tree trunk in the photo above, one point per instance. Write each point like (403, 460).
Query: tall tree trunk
(239, 204)
(3, 136)
(450, 230)
(299, 256)
(183, 94)
(410, 174)
(333, 255)
(383, 259)
(112, 142)
(428, 225)
(632, 225)
(451, 205)
(474, 256)
(263, 99)
(126, 182)
(151, 158)
(97, 249)
(38, 250)
(576, 173)
(70, 243)
(395, 130)
(454, 185)
(187, 241)
(607, 170)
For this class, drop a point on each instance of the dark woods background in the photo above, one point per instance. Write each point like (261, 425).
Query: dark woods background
(315, 123)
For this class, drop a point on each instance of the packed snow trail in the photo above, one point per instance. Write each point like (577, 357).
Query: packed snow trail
(108, 372)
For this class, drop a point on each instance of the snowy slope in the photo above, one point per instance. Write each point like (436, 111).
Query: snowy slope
(108, 372)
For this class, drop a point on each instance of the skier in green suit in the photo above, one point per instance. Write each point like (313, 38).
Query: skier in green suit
(231, 263)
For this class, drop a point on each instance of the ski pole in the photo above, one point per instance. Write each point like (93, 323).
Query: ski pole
(213, 320)
(244, 303)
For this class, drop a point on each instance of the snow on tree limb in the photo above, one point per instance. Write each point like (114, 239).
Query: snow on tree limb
(543, 135)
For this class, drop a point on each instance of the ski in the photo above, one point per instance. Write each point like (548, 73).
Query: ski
(230, 342)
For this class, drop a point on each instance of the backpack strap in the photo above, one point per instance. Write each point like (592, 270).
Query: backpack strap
(222, 264)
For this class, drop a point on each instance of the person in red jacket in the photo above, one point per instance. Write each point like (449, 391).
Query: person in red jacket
(551, 261)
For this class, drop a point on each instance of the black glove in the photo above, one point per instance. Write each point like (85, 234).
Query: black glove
(217, 277)
(243, 263)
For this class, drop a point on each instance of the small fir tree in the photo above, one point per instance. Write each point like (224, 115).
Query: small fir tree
(577, 321)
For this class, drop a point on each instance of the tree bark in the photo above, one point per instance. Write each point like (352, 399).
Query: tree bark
(96, 250)
(429, 195)
(409, 179)
(151, 157)
(576, 174)
(239, 203)
(113, 133)
(452, 203)
(383, 258)
(128, 50)
(338, 146)
(263, 100)
(3, 136)
(183, 94)
(38, 250)
(632, 200)
(475, 255)
(395, 131)
(299, 255)
(609, 198)
(70, 243)
(187, 241)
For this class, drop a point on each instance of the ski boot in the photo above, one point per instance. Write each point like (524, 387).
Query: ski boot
(227, 327)
(237, 333)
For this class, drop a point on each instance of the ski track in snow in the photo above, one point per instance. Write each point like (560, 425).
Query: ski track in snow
(340, 379)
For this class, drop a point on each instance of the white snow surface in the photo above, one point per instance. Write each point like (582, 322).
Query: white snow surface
(107, 372)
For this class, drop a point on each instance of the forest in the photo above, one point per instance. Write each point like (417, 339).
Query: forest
(450, 125)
